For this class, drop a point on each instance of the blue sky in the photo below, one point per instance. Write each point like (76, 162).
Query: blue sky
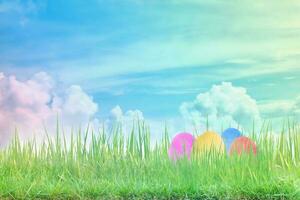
(155, 55)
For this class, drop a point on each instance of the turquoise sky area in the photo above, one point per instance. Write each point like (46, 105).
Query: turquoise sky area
(177, 60)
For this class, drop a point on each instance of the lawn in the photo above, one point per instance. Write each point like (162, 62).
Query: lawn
(116, 166)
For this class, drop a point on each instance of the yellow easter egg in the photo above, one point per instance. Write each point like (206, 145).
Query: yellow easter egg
(209, 142)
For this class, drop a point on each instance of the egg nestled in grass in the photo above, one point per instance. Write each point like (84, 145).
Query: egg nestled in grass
(209, 142)
(229, 135)
(243, 145)
(181, 146)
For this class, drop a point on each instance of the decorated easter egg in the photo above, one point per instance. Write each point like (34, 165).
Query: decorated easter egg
(209, 142)
(181, 146)
(243, 145)
(229, 135)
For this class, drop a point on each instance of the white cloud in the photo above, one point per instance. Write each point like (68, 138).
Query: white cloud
(224, 105)
(116, 113)
(281, 108)
(156, 126)
(126, 119)
(76, 106)
(30, 104)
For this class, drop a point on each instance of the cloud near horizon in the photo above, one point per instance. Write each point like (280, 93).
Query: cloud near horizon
(222, 105)
(30, 105)
(117, 115)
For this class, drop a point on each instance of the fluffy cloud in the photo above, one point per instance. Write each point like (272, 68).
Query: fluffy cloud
(117, 116)
(156, 126)
(223, 105)
(30, 105)
(75, 107)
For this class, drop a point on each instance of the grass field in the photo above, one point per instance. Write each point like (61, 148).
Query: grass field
(112, 166)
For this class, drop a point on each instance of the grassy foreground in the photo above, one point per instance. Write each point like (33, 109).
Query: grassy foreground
(112, 166)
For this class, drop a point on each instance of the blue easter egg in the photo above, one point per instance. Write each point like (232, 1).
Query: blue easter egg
(229, 135)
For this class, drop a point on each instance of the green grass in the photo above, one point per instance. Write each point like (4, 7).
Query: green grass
(112, 166)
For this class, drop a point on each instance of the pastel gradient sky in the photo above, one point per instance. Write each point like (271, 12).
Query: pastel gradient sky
(177, 60)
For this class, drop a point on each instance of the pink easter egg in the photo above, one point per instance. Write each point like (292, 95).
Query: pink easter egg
(181, 146)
